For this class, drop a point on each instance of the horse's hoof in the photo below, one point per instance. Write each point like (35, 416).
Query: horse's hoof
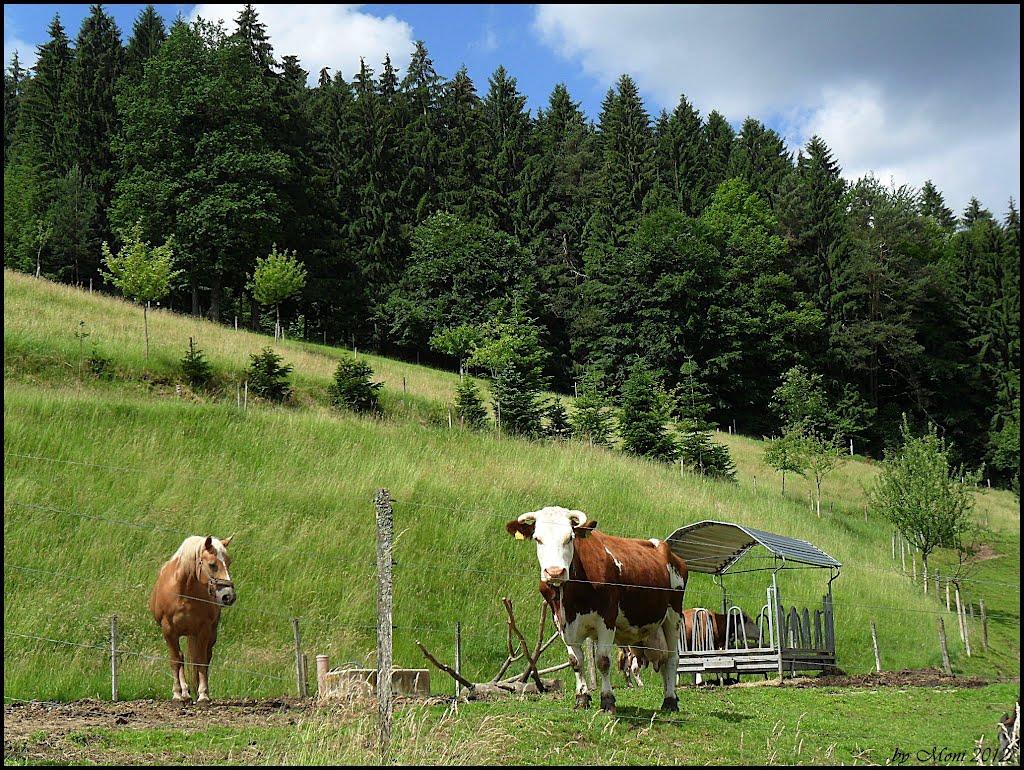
(583, 701)
(670, 704)
(204, 700)
(608, 703)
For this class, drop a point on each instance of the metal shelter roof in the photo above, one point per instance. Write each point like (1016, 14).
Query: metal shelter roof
(714, 546)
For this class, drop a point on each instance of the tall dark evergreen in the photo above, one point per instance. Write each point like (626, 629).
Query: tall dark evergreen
(507, 146)
(718, 141)
(14, 85)
(760, 159)
(463, 158)
(627, 161)
(148, 33)
(85, 133)
(681, 157)
(422, 90)
(933, 205)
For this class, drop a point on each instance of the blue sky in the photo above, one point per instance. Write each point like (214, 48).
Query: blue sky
(907, 93)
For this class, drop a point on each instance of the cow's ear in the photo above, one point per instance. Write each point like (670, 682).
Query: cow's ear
(585, 530)
(520, 529)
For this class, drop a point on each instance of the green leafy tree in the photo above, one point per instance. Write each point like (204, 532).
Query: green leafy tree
(142, 273)
(352, 387)
(268, 376)
(457, 342)
(469, 404)
(821, 455)
(646, 412)
(925, 496)
(278, 277)
(785, 454)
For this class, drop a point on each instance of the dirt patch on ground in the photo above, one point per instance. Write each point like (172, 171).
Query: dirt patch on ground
(905, 678)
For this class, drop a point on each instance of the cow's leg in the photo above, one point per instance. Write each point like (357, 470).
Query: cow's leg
(635, 667)
(179, 691)
(576, 661)
(605, 646)
(669, 669)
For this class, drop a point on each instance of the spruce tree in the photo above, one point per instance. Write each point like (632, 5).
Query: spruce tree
(760, 159)
(646, 411)
(697, 451)
(15, 77)
(680, 157)
(463, 158)
(507, 144)
(148, 33)
(718, 140)
(591, 419)
(469, 405)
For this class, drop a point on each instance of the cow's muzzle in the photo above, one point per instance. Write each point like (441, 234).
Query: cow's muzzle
(554, 575)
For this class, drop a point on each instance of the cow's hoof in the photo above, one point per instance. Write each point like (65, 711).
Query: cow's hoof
(583, 700)
(670, 704)
(608, 703)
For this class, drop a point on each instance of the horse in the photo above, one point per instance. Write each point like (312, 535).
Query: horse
(192, 587)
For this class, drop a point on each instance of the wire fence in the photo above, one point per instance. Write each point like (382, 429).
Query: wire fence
(335, 625)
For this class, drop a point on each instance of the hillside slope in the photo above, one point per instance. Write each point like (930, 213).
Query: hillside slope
(104, 477)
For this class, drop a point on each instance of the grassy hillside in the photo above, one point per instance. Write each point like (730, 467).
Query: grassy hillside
(103, 479)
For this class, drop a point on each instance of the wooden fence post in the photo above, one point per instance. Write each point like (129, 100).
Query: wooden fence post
(113, 658)
(874, 640)
(300, 679)
(458, 657)
(945, 650)
(984, 625)
(385, 530)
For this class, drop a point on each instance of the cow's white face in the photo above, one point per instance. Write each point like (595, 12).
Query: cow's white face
(554, 530)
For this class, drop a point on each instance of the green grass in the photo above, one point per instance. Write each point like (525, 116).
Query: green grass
(103, 479)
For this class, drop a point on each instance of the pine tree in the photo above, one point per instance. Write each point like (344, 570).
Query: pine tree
(760, 159)
(646, 410)
(463, 160)
(680, 156)
(422, 90)
(692, 401)
(507, 144)
(87, 128)
(717, 143)
(15, 77)
(591, 419)
(627, 160)
(469, 405)
(148, 33)
(933, 205)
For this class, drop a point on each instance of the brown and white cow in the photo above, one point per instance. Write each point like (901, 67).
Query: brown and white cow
(714, 624)
(613, 590)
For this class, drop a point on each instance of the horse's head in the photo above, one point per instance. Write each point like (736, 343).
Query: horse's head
(212, 568)
(553, 529)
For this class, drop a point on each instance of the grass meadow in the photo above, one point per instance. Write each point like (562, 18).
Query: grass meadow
(103, 478)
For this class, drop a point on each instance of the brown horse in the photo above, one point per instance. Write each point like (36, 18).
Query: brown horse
(192, 587)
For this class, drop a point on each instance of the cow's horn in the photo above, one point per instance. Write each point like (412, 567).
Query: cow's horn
(528, 518)
(579, 517)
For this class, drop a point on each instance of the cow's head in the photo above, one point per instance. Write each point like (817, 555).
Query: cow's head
(749, 628)
(553, 529)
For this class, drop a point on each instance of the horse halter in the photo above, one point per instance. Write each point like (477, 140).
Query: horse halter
(213, 582)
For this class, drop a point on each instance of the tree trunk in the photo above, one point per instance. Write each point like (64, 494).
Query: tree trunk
(196, 310)
(215, 301)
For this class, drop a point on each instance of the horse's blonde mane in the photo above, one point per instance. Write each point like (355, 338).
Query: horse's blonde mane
(188, 553)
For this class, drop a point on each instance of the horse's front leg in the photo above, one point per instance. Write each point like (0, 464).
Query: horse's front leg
(203, 644)
(180, 689)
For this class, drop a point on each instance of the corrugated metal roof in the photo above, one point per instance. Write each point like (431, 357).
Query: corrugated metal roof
(714, 546)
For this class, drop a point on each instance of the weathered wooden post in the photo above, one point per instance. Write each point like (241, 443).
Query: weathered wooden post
(385, 530)
(323, 665)
(945, 650)
(874, 640)
(984, 625)
(458, 656)
(113, 658)
(300, 678)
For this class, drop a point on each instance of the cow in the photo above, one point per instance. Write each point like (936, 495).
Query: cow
(718, 629)
(717, 625)
(652, 651)
(614, 590)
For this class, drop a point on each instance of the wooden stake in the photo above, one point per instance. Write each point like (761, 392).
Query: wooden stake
(458, 652)
(300, 679)
(945, 650)
(984, 625)
(874, 640)
(113, 658)
(385, 531)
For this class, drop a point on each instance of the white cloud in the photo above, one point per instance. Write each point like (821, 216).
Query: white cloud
(13, 42)
(328, 35)
(913, 93)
